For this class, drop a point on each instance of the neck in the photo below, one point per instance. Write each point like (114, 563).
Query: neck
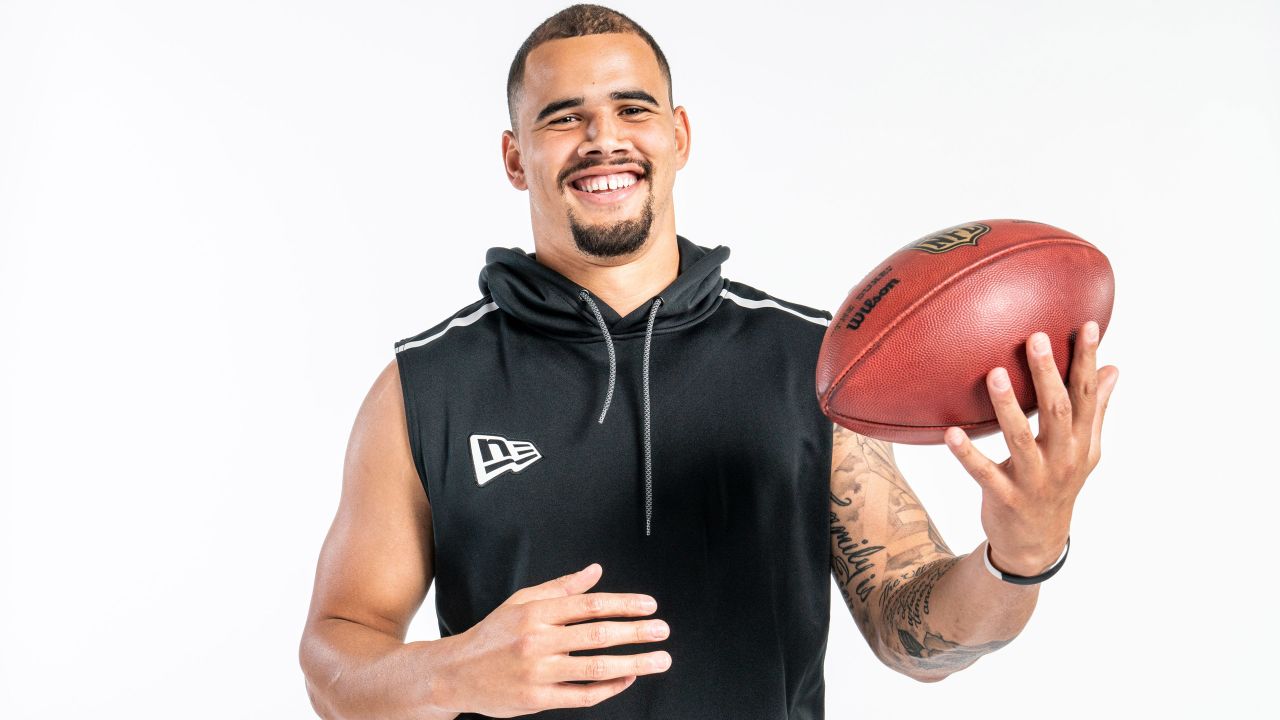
(623, 283)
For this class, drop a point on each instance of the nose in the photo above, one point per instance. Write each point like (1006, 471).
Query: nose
(606, 136)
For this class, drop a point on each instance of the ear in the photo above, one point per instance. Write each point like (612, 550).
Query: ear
(682, 136)
(511, 161)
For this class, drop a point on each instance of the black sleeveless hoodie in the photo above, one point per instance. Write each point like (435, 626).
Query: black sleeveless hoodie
(681, 447)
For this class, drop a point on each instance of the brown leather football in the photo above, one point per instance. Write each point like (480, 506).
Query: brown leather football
(908, 353)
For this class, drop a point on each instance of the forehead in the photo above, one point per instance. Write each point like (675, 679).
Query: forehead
(591, 67)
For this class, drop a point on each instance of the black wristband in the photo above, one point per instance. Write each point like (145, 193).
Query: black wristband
(1022, 579)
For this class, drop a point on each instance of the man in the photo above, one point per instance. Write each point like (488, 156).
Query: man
(615, 447)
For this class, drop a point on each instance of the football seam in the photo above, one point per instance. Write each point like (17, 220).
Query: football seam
(875, 343)
(962, 426)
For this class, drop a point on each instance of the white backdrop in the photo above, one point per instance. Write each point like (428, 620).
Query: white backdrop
(217, 217)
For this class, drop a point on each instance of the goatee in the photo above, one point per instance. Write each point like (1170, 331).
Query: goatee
(620, 238)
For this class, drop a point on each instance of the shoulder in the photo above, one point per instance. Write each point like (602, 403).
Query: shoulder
(448, 328)
(761, 306)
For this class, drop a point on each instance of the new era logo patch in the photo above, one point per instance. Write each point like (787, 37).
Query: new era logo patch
(493, 455)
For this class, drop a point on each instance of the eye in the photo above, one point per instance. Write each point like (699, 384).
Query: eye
(639, 110)
(560, 120)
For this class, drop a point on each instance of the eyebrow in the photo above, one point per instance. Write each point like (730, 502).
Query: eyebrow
(558, 105)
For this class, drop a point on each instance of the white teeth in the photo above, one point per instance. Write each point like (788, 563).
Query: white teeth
(596, 183)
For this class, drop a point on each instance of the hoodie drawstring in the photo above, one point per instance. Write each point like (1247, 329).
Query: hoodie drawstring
(648, 450)
(608, 343)
(613, 373)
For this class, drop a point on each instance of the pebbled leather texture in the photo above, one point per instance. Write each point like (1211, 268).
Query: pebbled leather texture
(915, 362)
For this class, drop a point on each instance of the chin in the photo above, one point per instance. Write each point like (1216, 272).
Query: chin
(614, 238)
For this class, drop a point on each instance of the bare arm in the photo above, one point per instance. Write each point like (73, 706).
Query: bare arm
(925, 612)
(373, 573)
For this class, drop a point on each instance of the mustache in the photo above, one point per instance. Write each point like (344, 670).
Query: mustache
(645, 166)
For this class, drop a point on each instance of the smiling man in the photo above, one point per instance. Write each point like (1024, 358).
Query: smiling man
(613, 464)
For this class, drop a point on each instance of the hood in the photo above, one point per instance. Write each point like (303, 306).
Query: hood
(543, 298)
(537, 295)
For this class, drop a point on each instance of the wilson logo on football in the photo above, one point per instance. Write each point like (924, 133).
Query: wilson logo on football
(493, 455)
(951, 238)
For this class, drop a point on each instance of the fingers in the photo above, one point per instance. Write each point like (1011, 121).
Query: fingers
(606, 667)
(1084, 379)
(978, 465)
(1107, 379)
(574, 608)
(571, 584)
(1052, 398)
(1013, 422)
(600, 634)
(567, 695)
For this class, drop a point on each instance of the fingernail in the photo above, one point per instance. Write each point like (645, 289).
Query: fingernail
(659, 630)
(1000, 379)
(1040, 343)
(649, 603)
(1091, 331)
(662, 662)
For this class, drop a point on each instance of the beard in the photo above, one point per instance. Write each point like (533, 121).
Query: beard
(613, 240)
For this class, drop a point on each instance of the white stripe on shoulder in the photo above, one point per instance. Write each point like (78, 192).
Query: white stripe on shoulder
(456, 322)
(749, 303)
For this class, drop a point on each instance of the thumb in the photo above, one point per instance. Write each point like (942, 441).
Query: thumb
(571, 584)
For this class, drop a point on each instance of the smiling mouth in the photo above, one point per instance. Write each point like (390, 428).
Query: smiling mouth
(606, 187)
(606, 183)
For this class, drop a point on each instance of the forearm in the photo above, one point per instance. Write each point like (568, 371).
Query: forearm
(949, 613)
(353, 671)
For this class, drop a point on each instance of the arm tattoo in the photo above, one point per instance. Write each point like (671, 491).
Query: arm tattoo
(867, 460)
(854, 558)
(916, 554)
(904, 607)
(911, 602)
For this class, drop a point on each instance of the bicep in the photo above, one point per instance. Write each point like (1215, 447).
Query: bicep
(376, 562)
(880, 530)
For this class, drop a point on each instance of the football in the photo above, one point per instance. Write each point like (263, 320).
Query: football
(907, 354)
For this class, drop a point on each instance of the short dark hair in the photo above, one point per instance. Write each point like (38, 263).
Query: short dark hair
(577, 21)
